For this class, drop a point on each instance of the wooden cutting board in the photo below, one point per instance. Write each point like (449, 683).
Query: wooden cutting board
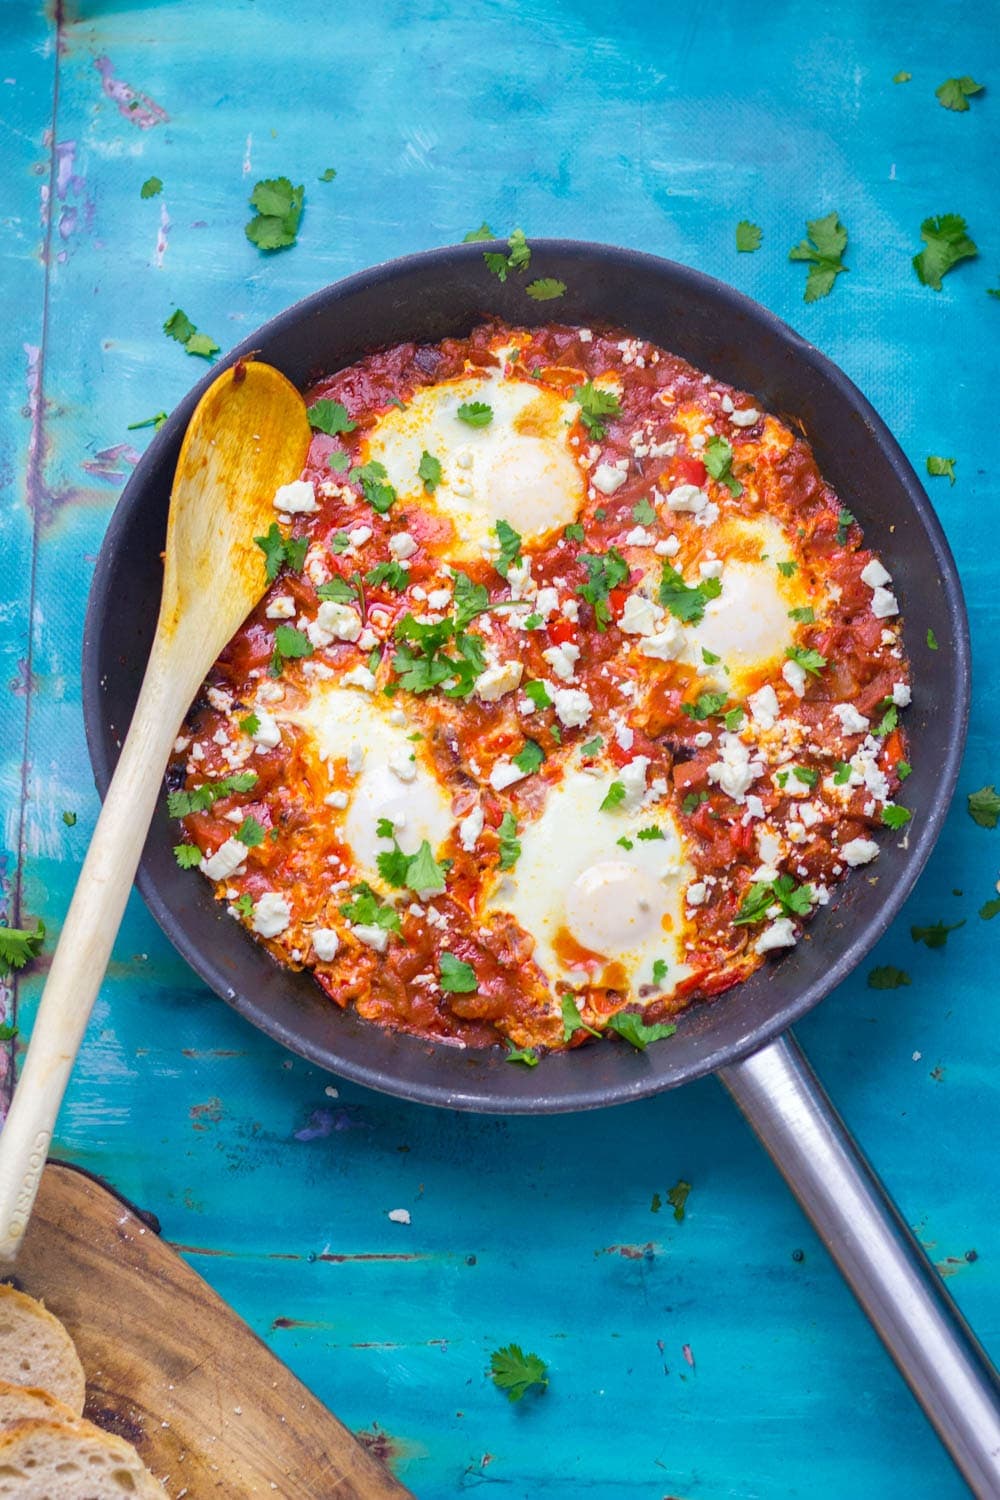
(172, 1368)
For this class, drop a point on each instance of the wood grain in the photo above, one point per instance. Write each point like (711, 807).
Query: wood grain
(172, 1368)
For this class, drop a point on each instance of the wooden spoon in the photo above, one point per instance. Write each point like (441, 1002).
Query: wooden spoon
(249, 434)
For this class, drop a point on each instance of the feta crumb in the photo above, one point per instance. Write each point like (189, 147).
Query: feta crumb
(359, 535)
(745, 418)
(874, 574)
(334, 622)
(402, 765)
(297, 498)
(735, 770)
(470, 828)
(608, 479)
(697, 893)
(271, 914)
(764, 707)
(359, 677)
(669, 547)
(633, 778)
(439, 598)
(546, 602)
(281, 607)
(570, 609)
(884, 604)
(584, 335)
(703, 739)
(355, 757)
(219, 699)
(901, 694)
(504, 774)
(640, 615)
(859, 851)
(372, 937)
(779, 934)
(573, 707)
(402, 545)
(399, 1215)
(226, 859)
(710, 569)
(267, 732)
(325, 944)
(639, 537)
(851, 721)
(367, 639)
(495, 682)
(664, 645)
(687, 497)
(795, 676)
(336, 799)
(624, 736)
(562, 659)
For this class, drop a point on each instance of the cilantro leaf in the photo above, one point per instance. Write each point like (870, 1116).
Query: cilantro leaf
(180, 328)
(718, 456)
(18, 945)
(292, 642)
(824, 248)
(894, 816)
(573, 532)
(984, 806)
(936, 934)
(69, 818)
(808, 775)
(530, 757)
(153, 185)
(804, 615)
(546, 289)
(250, 724)
(686, 602)
(515, 1372)
(523, 1055)
(678, 1197)
(932, 641)
(250, 832)
(202, 344)
(845, 520)
(278, 205)
(941, 467)
(648, 835)
(518, 257)
(279, 551)
(660, 967)
(733, 719)
(901, 77)
(429, 470)
(475, 413)
(763, 894)
(632, 1028)
(572, 1019)
(328, 175)
(538, 693)
(643, 513)
(188, 856)
(809, 660)
(424, 872)
(693, 801)
(329, 417)
(595, 405)
(887, 977)
(614, 797)
(156, 422)
(471, 599)
(605, 571)
(371, 477)
(456, 977)
(990, 909)
(200, 798)
(705, 705)
(510, 847)
(748, 236)
(945, 244)
(366, 910)
(954, 93)
(338, 461)
(474, 236)
(337, 590)
(510, 547)
(786, 569)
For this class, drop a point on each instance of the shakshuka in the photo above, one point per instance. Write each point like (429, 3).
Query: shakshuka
(573, 692)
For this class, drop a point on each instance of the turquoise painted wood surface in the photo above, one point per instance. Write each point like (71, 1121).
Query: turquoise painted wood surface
(637, 124)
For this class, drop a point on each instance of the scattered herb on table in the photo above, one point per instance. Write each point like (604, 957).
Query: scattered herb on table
(180, 328)
(18, 945)
(955, 93)
(278, 206)
(677, 1198)
(945, 244)
(156, 422)
(546, 289)
(518, 256)
(328, 175)
(152, 186)
(901, 77)
(515, 1372)
(475, 236)
(887, 977)
(984, 806)
(748, 236)
(824, 248)
(935, 935)
(990, 909)
(69, 818)
(941, 468)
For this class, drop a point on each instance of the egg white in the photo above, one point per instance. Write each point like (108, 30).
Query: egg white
(520, 468)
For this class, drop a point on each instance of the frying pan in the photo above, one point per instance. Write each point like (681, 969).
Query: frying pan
(743, 1035)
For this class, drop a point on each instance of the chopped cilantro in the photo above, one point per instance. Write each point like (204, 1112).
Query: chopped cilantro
(69, 818)
(592, 746)
(632, 1028)
(572, 1020)
(809, 660)
(429, 470)
(596, 405)
(456, 976)
(605, 571)
(763, 894)
(475, 413)
(842, 773)
(945, 244)
(824, 248)
(328, 175)
(422, 664)
(538, 693)
(984, 806)
(339, 542)
(338, 461)
(201, 798)
(845, 520)
(533, 621)
(806, 774)
(279, 551)
(244, 905)
(337, 590)
(733, 719)
(643, 513)
(718, 456)
(510, 847)
(990, 909)
(954, 93)
(693, 801)
(180, 328)
(786, 569)
(518, 257)
(748, 236)
(936, 934)
(686, 602)
(932, 641)
(677, 1198)
(530, 757)
(941, 468)
(329, 417)
(894, 816)
(250, 724)
(614, 797)
(660, 967)
(188, 856)
(901, 77)
(290, 643)
(278, 206)
(388, 575)
(888, 722)
(649, 835)
(471, 599)
(371, 477)
(20, 944)
(573, 532)
(903, 769)
(705, 706)
(475, 236)
(153, 185)
(156, 422)
(515, 1372)
(625, 843)
(887, 977)
(424, 873)
(805, 614)
(546, 289)
(367, 911)
(510, 548)
(250, 832)
(524, 1055)
(709, 657)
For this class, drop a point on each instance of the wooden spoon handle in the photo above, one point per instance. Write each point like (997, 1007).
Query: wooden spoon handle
(85, 943)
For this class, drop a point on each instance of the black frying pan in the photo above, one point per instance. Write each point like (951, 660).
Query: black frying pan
(445, 292)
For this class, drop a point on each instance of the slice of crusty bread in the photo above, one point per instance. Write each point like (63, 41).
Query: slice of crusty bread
(71, 1461)
(20, 1403)
(36, 1350)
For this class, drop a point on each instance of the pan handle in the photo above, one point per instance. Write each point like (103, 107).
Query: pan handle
(934, 1348)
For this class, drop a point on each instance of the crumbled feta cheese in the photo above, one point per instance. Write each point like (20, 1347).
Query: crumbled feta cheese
(851, 721)
(219, 699)
(402, 545)
(336, 799)
(181, 743)
(584, 335)
(470, 828)
(358, 535)
(281, 607)
(573, 708)
(325, 944)
(399, 1215)
(874, 574)
(795, 676)
(372, 937)
(439, 598)
(710, 569)
(403, 765)
(633, 778)
(607, 478)
(755, 809)
(355, 757)
(226, 859)
(624, 736)
(665, 644)
(884, 604)
(703, 739)
(687, 497)
(859, 851)
(764, 707)
(367, 639)
(735, 770)
(297, 498)
(640, 615)
(697, 893)
(901, 694)
(271, 914)
(267, 732)
(669, 547)
(496, 681)
(359, 677)
(779, 934)
(562, 659)
(270, 692)
(504, 774)
(639, 537)
(745, 418)
(570, 609)
(546, 602)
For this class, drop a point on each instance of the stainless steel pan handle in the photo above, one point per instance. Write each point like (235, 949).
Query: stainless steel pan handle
(916, 1319)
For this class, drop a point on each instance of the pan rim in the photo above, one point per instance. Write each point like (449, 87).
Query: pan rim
(495, 1094)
